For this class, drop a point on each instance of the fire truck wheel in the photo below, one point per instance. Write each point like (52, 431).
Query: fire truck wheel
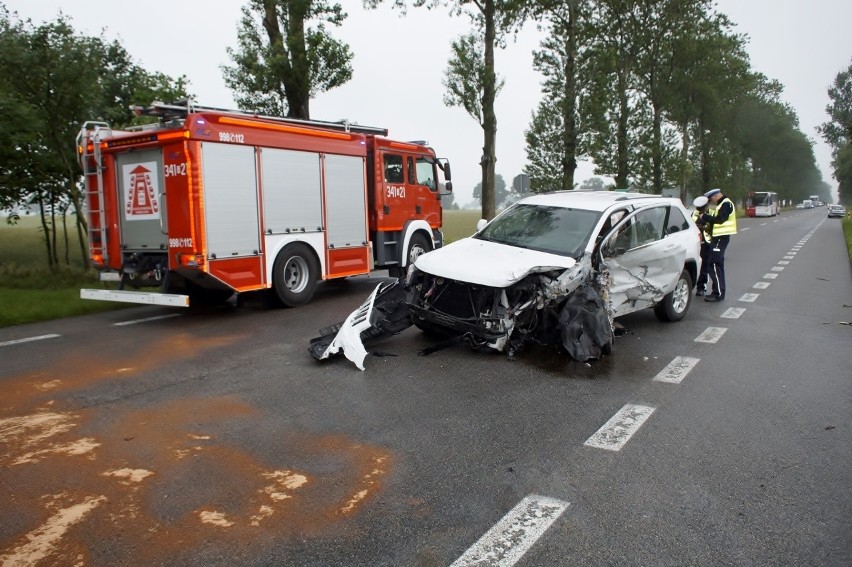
(295, 274)
(418, 245)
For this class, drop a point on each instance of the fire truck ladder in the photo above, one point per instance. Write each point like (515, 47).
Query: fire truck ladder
(179, 111)
(91, 160)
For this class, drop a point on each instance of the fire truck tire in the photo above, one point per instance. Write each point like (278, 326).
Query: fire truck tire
(295, 274)
(417, 246)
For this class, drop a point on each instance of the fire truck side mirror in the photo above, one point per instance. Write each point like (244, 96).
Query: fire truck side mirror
(444, 164)
(448, 188)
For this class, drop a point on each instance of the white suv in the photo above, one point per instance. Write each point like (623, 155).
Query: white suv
(501, 285)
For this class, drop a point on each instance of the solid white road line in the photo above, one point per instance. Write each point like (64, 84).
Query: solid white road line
(145, 320)
(733, 313)
(677, 370)
(770, 276)
(749, 297)
(28, 340)
(505, 543)
(616, 432)
(711, 335)
(761, 285)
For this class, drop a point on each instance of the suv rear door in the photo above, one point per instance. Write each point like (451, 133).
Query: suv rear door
(644, 261)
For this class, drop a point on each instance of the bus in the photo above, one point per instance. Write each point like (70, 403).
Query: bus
(762, 204)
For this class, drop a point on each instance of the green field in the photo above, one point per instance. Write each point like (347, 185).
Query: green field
(29, 290)
(459, 224)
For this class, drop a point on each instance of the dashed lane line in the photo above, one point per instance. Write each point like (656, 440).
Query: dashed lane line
(146, 319)
(749, 297)
(616, 432)
(770, 276)
(783, 262)
(676, 370)
(761, 285)
(711, 335)
(505, 543)
(733, 313)
(29, 340)
(777, 268)
(747, 228)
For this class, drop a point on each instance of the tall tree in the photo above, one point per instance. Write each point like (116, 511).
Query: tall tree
(491, 20)
(554, 141)
(837, 131)
(281, 61)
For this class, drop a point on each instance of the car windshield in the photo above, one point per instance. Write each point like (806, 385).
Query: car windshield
(557, 230)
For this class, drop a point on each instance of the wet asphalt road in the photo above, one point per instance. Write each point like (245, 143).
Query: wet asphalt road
(214, 439)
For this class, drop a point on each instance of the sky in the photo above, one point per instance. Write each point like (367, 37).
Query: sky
(400, 62)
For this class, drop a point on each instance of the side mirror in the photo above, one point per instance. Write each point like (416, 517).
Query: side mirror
(447, 188)
(481, 224)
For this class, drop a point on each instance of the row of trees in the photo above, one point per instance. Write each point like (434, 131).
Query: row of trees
(53, 79)
(660, 93)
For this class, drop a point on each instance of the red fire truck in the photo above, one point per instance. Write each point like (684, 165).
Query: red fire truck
(208, 202)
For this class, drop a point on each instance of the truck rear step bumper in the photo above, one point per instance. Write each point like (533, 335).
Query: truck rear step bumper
(144, 297)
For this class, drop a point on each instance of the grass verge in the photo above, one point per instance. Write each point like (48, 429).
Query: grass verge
(847, 232)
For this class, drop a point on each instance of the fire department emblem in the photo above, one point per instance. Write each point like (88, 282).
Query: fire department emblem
(142, 191)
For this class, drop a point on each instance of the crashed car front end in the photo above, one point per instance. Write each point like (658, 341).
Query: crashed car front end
(499, 318)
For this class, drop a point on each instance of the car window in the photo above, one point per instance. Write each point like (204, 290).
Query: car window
(644, 228)
(677, 222)
(557, 230)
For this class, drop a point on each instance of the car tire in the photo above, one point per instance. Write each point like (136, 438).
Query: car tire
(674, 305)
(295, 274)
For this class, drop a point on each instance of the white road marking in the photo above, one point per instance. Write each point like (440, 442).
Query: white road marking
(775, 221)
(616, 432)
(733, 313)
(783, 262)
(777, 268)
(711, 335)
(505, 543)
(749, 297)
(145, 320)
(761, 285)
(770, 276)
(747, 228)
(28, 340)
(763, 224)
(677, 370)
(790, 257)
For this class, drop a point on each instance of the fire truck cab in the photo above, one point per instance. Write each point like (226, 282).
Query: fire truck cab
(208, 202)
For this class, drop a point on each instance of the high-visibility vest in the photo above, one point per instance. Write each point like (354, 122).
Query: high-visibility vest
(705, 234)
(730, 225)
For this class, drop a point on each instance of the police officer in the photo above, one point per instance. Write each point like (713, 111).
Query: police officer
(723, 221)
(701, 204)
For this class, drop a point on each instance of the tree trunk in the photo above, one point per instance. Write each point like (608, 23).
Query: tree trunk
(705, 155)
(684, 160)
(657, 150)
(45, 229)
(297, 84)
(569, 109)
(621, 158)
(489, 117)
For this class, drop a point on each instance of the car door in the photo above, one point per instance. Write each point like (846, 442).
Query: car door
(643, 262)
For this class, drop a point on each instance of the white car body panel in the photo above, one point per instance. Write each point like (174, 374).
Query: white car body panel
(489, 263)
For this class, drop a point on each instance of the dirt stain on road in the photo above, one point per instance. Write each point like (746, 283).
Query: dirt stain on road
(120, 484)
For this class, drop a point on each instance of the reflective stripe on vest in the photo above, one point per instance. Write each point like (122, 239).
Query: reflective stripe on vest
(730, 225)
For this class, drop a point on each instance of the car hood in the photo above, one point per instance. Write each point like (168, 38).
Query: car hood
(489, 263)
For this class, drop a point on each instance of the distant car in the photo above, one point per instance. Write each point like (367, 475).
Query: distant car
(836, 211)
(800, 205)
(808, 204)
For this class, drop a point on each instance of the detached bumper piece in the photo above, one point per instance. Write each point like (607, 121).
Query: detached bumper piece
(382, 315)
